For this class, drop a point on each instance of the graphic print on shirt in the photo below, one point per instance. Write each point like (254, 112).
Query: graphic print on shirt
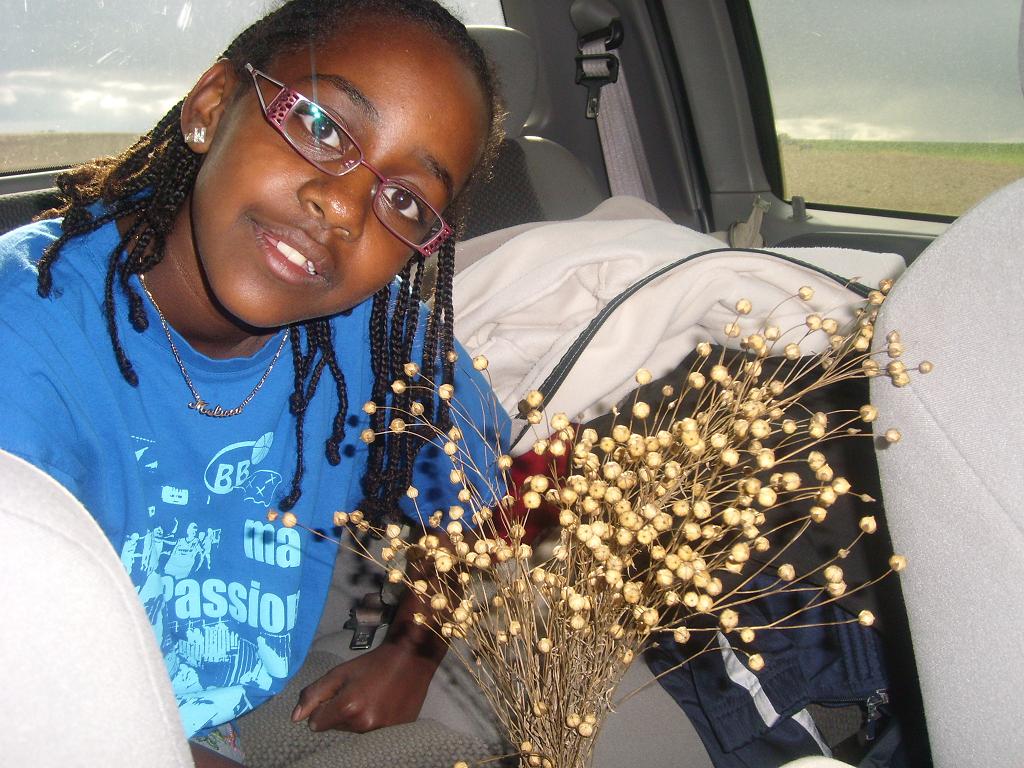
(148, 461)
(233, 469)
(143, 455)
(219, 582)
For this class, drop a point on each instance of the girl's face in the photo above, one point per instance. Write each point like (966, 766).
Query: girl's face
(420, 117)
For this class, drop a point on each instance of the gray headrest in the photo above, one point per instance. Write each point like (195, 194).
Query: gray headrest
(515, 64)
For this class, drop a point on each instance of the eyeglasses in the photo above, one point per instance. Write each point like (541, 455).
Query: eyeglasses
(327, 144)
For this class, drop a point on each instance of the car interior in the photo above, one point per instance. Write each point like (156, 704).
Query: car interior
(686, 105)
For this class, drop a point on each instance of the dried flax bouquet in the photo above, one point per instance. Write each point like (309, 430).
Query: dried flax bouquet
(664, 524)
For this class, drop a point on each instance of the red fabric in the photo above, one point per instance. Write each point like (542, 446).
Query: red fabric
(527, 465)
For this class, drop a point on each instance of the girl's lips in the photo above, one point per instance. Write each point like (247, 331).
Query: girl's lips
(286, 259)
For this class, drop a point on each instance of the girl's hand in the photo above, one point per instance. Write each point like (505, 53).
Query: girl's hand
(385, 686)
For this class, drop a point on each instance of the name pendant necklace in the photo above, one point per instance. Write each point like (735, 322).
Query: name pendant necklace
(198, 404)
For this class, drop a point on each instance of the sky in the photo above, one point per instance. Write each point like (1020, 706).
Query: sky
(119, 65)
(923, 70)
(929, 70)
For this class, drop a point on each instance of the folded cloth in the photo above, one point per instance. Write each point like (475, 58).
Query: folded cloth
(526, 302)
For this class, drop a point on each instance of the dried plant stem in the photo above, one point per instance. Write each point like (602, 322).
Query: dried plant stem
(674, 522)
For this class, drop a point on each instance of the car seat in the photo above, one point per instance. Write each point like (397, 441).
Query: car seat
(951, 484)
(534, 179)
(84, 682)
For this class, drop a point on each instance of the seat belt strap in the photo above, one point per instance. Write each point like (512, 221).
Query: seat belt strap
(609, 102)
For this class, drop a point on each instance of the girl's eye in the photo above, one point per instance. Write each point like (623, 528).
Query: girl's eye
(321, 128)
(404, 202)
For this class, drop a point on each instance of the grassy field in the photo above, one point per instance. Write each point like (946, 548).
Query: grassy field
(31, 151)
(924, 177)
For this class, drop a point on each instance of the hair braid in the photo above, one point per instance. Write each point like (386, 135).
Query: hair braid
(124, 364)
(442, 322)
(393, 454)
(397, 354)
(404, 319)
(76, 222)
(412, 318)
(338, 431)
(297, 403)
(150, 181)
(373, 479)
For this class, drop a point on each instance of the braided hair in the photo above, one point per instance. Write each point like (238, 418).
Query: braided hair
(151, 180)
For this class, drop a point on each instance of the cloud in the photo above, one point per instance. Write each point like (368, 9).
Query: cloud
(30, 74)
(60, 100)
(900, 111)
(838, 128)
(85, 102)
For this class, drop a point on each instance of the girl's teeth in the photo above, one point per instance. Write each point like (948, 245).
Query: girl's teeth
(295, 257)
(292, 255)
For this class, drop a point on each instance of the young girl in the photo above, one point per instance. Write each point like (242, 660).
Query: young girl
(145, 339)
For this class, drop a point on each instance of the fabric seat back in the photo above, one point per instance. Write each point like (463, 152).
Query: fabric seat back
(534, 179)
(951, 484)
(84, 681)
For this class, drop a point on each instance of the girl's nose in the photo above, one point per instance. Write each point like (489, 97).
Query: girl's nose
(340, 202)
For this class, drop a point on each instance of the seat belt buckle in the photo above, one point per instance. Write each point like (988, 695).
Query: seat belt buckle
(368, 615)
(611, 38)
(594, 83)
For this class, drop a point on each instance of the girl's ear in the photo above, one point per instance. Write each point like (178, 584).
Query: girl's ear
(205, 104)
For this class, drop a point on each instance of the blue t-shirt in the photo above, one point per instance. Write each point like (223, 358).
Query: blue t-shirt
(233, 597)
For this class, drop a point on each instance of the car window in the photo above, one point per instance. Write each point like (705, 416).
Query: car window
(911, 106)
(84, 79)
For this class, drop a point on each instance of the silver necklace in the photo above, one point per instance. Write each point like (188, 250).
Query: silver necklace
(198, 404)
